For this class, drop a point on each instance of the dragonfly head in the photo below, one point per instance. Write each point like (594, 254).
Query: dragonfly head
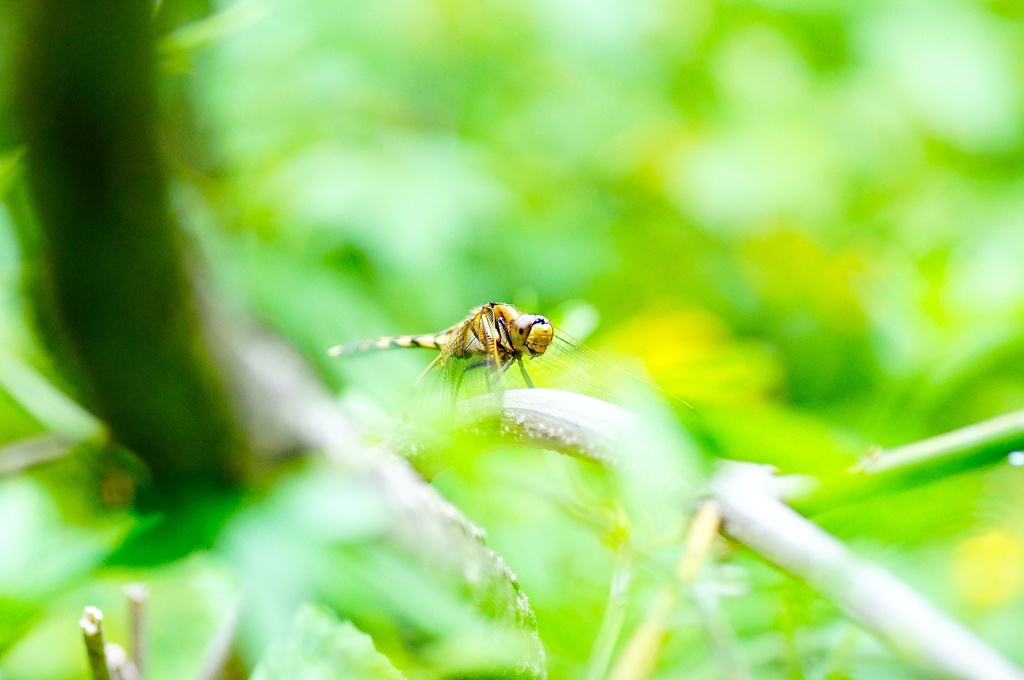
(532, 334)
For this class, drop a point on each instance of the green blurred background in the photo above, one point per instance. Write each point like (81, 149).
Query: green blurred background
(805, 219)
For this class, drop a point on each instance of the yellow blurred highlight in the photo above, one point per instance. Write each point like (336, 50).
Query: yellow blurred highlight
(793, 271)
(642, 651)
(988, 570)
(690, 353)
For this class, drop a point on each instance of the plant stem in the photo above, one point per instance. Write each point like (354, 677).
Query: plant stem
(970, 448)
(120, 664)
(20, 456)
(117, 292)
(218, 652)
(642, 651)
(614, 615)
(91, 624)
(138, 595)
(978, 444)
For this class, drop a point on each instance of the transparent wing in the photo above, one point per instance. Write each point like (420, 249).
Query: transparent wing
(569, 365)
(452, 377)
(566, 365)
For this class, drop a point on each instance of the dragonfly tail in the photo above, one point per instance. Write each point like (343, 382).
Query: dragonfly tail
(386, 343)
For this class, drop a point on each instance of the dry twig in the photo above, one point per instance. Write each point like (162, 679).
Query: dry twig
(91, 624)
(138, 595)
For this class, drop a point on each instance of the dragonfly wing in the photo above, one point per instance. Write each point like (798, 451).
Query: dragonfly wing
(570, 365)
(461, 370)
(467, 367)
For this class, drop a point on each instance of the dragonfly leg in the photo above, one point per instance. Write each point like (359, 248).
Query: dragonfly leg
(491, 382)
(494, 362)
(522, 369)
(497, 373)
(462, 376)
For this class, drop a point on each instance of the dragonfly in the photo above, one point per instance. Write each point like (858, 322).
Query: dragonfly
(489, 341)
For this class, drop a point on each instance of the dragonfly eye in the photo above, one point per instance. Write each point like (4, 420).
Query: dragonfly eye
(522, 325)
(532, 334)
(539, 337)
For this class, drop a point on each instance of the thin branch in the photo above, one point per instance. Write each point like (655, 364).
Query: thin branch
(981, 443)
(107, 660)
(58, 413)
(756, 516)
(91, 624)
(120, 664)
(592, 429)
(643, 650)
(614, 616)
(570, 423)
(218, 653)
(25, 454)
(720, 636)
(138, 595)
(973, 447)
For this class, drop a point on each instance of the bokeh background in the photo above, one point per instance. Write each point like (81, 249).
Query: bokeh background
(804, 219)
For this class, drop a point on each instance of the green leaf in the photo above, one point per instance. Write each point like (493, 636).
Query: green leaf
(320, 646)
(57, 412)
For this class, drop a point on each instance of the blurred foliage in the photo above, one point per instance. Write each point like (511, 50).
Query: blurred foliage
(322, 647)
(804, 219)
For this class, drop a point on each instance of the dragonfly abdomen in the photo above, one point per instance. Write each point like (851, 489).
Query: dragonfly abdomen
(389, 342)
